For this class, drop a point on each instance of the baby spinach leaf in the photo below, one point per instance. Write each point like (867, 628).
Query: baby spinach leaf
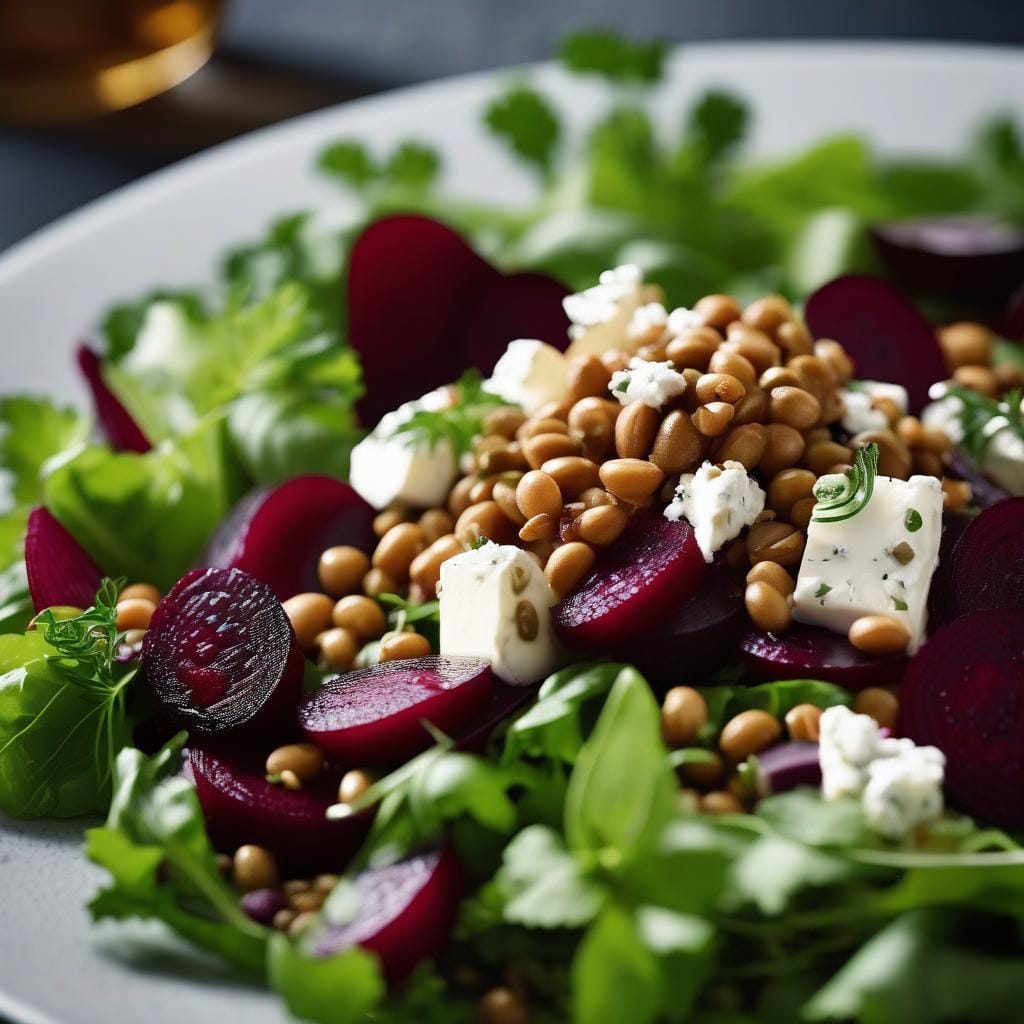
(161, 863)
(609, 805)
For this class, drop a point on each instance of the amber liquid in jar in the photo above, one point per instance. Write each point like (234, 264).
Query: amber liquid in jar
(67, 60)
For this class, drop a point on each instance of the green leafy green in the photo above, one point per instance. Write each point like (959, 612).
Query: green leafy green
(526, 122)
(63, 712)
(162, 866)
(982, 418)
(725, 702)
(613, 56)
(717, 123)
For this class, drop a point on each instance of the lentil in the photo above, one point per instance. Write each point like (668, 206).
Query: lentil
(363, 616)
(310, 615)
(341, 570)
(878, 634)
(684, 712)
(254, 868)
(399, 646)
(748, 733)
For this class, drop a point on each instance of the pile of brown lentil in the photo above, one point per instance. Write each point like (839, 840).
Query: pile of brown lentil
(713, 785)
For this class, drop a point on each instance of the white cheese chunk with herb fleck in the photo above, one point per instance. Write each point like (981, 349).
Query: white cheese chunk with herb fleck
(718, 503)
(878, 562)
(601, 316)
(530, 374)
(389, 466)
(652, 384)
(898, 783)
(496, 604)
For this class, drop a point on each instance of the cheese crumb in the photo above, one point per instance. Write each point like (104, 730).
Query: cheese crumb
(652, 384)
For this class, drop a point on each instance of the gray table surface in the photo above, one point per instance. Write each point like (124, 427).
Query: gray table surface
(353, 47)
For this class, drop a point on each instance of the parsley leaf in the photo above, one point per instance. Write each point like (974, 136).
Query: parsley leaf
(526, 122)
(718, 124)
(613, 56)
(413, 166)
(349, 161)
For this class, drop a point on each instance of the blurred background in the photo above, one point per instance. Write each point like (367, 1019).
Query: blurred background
(67, 66)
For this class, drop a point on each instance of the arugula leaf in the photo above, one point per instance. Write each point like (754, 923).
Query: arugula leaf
(556, 725)
(725, 702)
(423, 617)
(606, 807)
(613, 56)
(525, 121)
(147, 517)
(339, 989)
(543, 884)
(63, 712)
(161, 863)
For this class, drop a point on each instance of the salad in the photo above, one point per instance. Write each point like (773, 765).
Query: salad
(556, 649)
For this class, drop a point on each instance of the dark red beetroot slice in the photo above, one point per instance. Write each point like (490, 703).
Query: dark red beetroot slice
(647, 573)
(964, 693)
(699, 638)
(376, 715)
(220, 654)
(504, 702)
(883, 332)
(983, 491)
(786, 766)
(972, 258)
(940, 594)
(278, 535)
(240, 807)
(59, 571)
(988, 571)
(121, 430)
(406, 912)
(810, 653)
(465, 311)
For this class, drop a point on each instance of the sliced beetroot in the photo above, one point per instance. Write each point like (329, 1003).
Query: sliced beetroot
(940, 594)
(278, 535)
(971, 258)
(988, 571)
(121, 430)
(697, 638)
(786, 766)
(59, 571)
(405, 913)
(262, 904)
(806, 652)
(423, 306)
(650, 571)
(885, 335)
(503, 702)
(375, 715)
(983, 491)
(221, 654)
(240, 806)
(964, 693)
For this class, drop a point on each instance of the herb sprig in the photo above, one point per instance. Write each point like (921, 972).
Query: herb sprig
(841, 496)
(982, 418)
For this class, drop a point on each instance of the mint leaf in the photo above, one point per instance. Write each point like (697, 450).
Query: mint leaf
(543, 884)
(613, 56)
(526, 122)
(607, 807)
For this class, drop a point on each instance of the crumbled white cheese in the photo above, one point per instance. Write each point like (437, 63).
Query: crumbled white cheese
(653, 384)
(717, 503)
(648, 322)
(859, 402)
(899, 784)
(878, 562)
(388, 466)
(496, 604)
(530, 374)
(682, 319)
(601, 315)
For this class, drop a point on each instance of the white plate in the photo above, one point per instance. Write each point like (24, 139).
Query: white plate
(170, 230)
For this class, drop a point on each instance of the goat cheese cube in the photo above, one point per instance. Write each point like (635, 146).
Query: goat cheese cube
(389, 466)
(878, 562)
(496, 604)
(530, 374)
(653, 384)
(717, 503)
(601, 316)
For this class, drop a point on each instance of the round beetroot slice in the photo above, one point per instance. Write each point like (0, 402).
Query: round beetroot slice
(964, 693)
(278, 535)
(940, 593)
(240, 806)
(59, 571)
(806, 652)
(637, 583)
(406, 912)
(698, 638)
(885, 335)
(221, 654)
(988, 568)
(376, 715)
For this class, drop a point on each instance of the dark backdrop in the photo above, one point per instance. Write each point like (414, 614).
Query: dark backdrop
(280, 57)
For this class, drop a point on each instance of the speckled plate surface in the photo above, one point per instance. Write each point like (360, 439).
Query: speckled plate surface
(55, 967)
